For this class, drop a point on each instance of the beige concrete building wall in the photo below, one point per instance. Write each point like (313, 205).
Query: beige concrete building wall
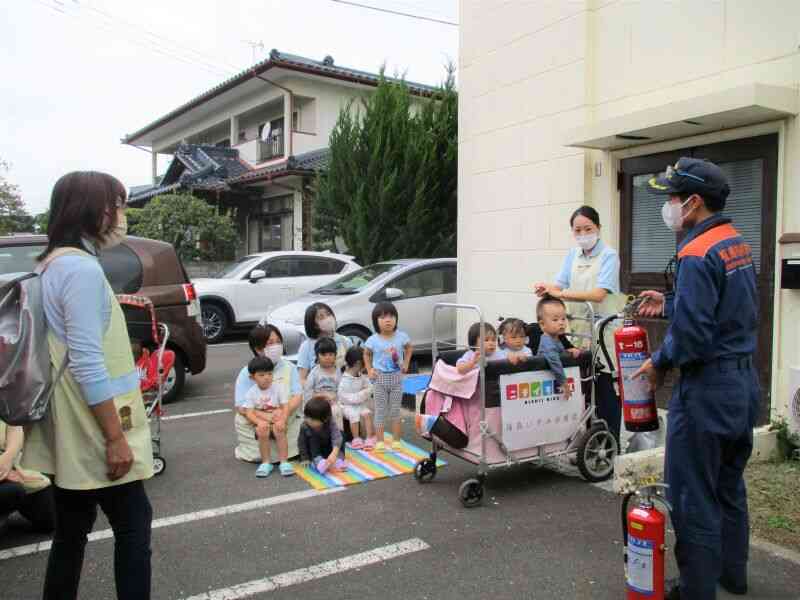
(531, 71)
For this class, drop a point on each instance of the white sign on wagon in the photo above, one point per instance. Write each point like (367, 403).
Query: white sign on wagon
(535, 410)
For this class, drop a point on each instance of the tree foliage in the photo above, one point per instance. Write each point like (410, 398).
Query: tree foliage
(195, 228)
(390, 188)
(13, 216)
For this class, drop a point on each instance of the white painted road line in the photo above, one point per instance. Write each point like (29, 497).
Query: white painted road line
(331, 567)
(181, 519)
(196, 414)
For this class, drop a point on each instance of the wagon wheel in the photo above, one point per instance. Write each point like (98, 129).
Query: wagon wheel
(159, 465)
(596, 453)
(471, 493)
(425, 470)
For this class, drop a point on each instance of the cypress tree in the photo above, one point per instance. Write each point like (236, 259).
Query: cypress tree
(390, 188)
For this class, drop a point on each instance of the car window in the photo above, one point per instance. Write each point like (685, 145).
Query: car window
(433, 281)
(353, 282)
(278, 267)
(232, 269)
(450, 275)
(123, 269)
(317, 266)
(19, 259)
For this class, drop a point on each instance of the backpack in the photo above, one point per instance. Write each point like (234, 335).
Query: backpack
(26, 381)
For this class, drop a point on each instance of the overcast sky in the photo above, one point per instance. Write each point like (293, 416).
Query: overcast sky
(78, 75)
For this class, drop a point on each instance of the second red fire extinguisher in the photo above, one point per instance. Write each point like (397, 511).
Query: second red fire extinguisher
(643, 530)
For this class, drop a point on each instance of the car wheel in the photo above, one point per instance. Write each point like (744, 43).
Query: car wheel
(173, 384)
(215, 322)
(356, 335)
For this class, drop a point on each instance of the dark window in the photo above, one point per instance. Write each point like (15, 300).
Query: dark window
(450, 279)
(427, 282)
(123, 269)
(19, 259)
(278, 267)
(317, 266)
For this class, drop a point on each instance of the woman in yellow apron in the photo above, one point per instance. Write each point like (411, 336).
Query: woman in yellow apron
(267, 340)
(95, 438)
(21, 490)
(590, 273)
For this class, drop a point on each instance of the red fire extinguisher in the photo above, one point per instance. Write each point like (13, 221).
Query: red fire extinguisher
(643, 528)
(638, 401)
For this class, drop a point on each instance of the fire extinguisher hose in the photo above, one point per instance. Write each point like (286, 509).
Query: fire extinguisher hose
(601, 330)
(625, 501)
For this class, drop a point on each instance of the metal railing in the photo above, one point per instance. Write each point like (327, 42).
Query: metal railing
(272, 148)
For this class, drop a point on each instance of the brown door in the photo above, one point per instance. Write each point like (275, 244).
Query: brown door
(646, 245)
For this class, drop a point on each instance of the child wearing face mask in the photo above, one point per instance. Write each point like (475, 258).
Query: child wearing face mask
(552, 316)
(514, 338)
(471, 359)
(320, 322)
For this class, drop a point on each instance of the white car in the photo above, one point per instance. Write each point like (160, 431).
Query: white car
(413, 285)
(249, 288)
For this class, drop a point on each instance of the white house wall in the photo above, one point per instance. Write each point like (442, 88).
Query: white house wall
(531, 71)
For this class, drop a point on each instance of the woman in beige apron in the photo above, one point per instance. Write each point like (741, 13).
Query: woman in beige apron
(21, 490)
(267, 340)
(590, 273)
(95, 438)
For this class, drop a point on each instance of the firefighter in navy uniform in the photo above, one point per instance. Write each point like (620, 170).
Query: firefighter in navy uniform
(713, 317)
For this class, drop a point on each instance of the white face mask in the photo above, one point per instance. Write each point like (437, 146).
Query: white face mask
(117, 234)
(588, 241)
(328, 324)
(673, 215)
(274, 352)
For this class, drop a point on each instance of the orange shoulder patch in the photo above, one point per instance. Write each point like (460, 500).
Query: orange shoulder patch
(700, 245)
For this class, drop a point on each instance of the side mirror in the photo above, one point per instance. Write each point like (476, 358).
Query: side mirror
(393, 293)
(257, 274)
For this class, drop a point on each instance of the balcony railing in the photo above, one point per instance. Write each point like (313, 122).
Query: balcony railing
(272, 148)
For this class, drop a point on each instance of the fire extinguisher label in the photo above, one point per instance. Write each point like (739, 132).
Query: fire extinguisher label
(637, 390)
(640, 565)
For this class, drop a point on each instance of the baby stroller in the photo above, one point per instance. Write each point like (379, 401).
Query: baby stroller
(153, 363)
(516, 414)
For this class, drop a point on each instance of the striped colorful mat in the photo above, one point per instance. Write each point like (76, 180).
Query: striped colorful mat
(366, 465)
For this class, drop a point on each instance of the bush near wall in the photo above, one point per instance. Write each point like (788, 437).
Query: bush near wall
(195, 228)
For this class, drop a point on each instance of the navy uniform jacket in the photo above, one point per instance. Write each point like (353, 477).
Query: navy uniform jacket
(714, 310)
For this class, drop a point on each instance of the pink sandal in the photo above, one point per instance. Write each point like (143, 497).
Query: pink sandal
(369, 443)
(357, 443)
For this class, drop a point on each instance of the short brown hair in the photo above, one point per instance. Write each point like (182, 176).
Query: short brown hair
(512, 326)
(548, 301)
(78, 207)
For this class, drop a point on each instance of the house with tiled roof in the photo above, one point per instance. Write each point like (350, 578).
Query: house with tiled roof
(255, 142)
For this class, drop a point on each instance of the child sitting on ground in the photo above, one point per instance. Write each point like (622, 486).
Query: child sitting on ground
(320, 442)
(266, 410)
(354, 392)
(513, 333)
(552, 316)
(323, 380)
(472, 357)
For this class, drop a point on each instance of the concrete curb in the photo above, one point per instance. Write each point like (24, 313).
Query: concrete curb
(775, 550)
(632, 471)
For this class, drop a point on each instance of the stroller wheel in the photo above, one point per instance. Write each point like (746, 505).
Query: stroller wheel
(471, 493)
(159, 465)
(596, 453)
(425, 470)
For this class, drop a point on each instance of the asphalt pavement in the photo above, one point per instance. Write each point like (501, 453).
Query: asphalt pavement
(221, 533)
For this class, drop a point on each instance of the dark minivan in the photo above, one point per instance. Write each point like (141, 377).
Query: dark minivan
(142, 267)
